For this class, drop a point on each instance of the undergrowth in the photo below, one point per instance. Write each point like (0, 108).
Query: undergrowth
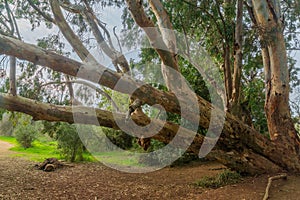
(225, 178)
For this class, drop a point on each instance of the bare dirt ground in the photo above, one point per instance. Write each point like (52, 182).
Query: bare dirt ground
(20, 180)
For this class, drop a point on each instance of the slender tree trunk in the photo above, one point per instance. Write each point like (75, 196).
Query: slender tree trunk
(238, 59)
(238, 108)
(227, 75)
(12, 76)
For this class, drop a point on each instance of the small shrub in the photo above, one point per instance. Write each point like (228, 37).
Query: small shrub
(69, 142)
(161, 157)
(119, 138)
(225, 178)
(25, 134)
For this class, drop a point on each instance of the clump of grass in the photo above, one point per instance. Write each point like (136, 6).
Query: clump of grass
(225, 178)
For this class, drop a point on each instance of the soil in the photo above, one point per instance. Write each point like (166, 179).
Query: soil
(20, 180)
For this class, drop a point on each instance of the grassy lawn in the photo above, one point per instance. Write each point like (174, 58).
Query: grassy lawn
(43, 149)
(38, 152)
(117, 158)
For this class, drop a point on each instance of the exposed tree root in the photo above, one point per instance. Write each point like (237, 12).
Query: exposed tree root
(281, 176)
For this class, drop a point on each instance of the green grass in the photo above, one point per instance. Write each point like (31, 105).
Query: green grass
(9, 139)
(117, 158)
(225, 178)
(44, 148)
(38, 152)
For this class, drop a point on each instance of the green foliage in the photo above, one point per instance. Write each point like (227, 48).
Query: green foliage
(25, 131)
(38, 152)
(256, 97)
(25, 135)
(165, 157)
(117, 158)
(69, 142)
(119, 138)
(225, 178)
(6, 126)
(9, 139)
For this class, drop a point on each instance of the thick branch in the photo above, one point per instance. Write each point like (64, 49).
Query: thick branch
(164, 24)
(86, 84)
(93, 116)
(165, 44)
(142, 20)
(73, 39)
(116, 57)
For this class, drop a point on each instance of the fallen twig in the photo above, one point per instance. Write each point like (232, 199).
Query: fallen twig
(281, 176)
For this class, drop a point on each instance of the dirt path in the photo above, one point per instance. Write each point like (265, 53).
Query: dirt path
(4, 148)
(19, 180)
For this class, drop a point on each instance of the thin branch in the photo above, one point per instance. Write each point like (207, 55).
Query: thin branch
(117, 58)
(222, 19)
(97, 89)
(106, 32)
(16, 26)
(4, 24)
(282, 176)
(4, 17)
(43, 14)
(114, 30)
(70, 87)
(12, 27)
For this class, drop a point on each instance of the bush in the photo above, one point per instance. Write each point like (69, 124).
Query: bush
(160, 158)
(6, 126)
(119, 138)
(69, 142)
(25, 134)
(222, 179)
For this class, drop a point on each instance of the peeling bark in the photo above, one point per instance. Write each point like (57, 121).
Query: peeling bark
(270, 25)
(238, 59)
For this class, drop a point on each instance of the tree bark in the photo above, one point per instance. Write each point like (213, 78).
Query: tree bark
(12, 76)
(271, 25)
(162, 40)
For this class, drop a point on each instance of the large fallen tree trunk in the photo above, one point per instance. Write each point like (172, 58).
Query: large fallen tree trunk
(239, 147)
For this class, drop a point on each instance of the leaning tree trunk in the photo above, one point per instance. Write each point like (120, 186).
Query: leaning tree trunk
(270, 27)
(239, 147)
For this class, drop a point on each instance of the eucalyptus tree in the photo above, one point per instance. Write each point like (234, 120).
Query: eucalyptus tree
(240, 147)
